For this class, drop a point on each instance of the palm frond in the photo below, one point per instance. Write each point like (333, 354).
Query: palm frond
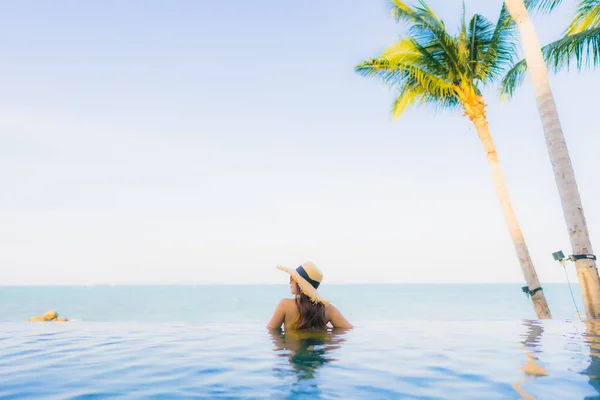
(426, 10)
(462, 41)
(403, 50)
(586, 17)
(480, 38)
(426, 28)
(502, 47)
(402, 11)
(583, 48)
(405, 74)
(513, 79)
(542, 6)
(409, 50)
(504, 19)
(434, 57)
(413, 94)
(406, 97)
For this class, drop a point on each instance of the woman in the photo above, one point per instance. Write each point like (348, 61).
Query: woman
(308, 310)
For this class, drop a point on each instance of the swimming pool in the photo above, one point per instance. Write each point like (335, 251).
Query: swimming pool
(387, 360)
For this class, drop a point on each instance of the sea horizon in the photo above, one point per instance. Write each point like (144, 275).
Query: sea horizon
(256, 302)
(573, 284)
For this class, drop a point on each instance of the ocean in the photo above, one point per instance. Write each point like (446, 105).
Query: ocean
(409, 342)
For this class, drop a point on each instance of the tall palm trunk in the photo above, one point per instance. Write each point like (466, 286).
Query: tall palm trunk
(559, 157)
(476, 112)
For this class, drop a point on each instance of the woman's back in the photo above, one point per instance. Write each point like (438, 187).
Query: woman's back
(288, 313)
(308, 311)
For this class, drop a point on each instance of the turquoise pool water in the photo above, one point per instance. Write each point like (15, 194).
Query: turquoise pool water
(403, 360)
(409, 342)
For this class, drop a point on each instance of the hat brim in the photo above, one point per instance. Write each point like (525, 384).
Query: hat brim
(304, 285)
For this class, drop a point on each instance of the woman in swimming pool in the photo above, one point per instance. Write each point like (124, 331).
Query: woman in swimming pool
(308, 311)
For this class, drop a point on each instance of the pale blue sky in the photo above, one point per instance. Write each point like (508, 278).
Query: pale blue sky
(200, 142)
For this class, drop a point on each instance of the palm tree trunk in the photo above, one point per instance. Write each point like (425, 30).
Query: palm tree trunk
(559, 157)
(476, 112)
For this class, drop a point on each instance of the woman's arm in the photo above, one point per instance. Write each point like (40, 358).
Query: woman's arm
(337, 319)
(278, 316)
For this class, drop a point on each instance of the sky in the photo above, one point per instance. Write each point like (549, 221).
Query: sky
(190, 142)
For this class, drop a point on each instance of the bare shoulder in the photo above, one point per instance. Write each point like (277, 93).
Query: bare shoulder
(278, 318)
(330, 309)
(335, 317)
(287, 303)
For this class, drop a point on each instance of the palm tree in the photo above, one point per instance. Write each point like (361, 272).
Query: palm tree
(555, 142)
(580, 43)
(430, 66)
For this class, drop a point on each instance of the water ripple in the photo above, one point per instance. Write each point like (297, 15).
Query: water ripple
(424, 360)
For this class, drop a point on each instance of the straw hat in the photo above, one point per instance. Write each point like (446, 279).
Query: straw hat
(308, 277)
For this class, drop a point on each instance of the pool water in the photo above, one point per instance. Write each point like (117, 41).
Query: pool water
(411, 359)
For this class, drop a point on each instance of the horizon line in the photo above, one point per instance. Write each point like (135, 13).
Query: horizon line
(267, 283)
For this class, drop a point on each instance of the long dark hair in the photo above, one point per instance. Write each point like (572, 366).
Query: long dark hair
(312, 314)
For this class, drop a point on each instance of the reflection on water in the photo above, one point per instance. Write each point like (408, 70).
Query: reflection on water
(586, 342)
(531, 347)
(462, 360)
(306, 352)
(592, 339)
